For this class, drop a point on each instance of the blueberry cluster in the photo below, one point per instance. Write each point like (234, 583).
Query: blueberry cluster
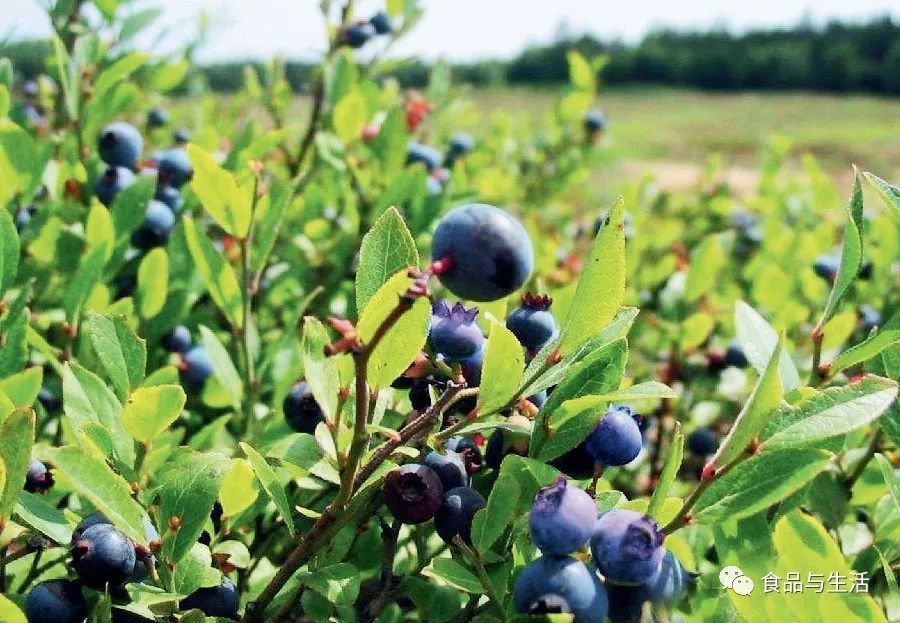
(359, 33)
(104, 560)
(436, 164)
(195, 364)
(630, 568)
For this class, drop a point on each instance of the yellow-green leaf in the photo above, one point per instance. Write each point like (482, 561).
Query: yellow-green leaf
(219, 193)
(149, 411)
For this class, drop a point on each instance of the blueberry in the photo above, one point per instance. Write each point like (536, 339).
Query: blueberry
(532, 323)
(175, 168)
(469, 450)
(471, 367)
(120, 615)
(125, 286)
(111, 183)
(156, 228)
(157, 117)
(120, 145)
(617, 439)
(626, 603)
(595, 121)
(702, 442)
(178, 340)
(301, 411)
(539, 399)
(97, 519)
(38, 479)
(577, 463)
(94, 519)
(485, 254)
(562, 518)
(450, 468)
(381, 22)
(420, 394)
(23, 218)
(627, 547)
(49, 400)
(413, 493)
(869, 318)
(103, 557)
(358, 34)
(454, 517)
(181, 136)
(433, 186)
(453, 332)
(865, 270)
(504, 441)
(214, 601)
(734, 356)
(56, 601)
(170, 196)
(565, 578)
(460, 145)
(30, 88)
(417, 153)
(197, 366)
(826, 267)
(549, 603)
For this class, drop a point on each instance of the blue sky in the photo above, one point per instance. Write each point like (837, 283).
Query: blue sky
(457, 29)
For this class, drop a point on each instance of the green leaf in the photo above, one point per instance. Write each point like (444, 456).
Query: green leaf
(767, 395)
(234, 552)
(189, 486)
(504, 362)
(195, 571)
(453, 573)
(149, 411)
(851, 251)
(239, 489)
(94, 480)
(759, 340)
(269, 215)
(580, 73)
(99, 230)
(339, 583)
(223, 368)
(152, 282)
(33, 511)
(217, 274)
(491, 521)
(9, 611)
(270, 483)
(167, 76)
(889, 193)
(576, 406)
(16, 439)
(641, 391)
(119, 351)
(403, 341)
(350, 115)
(9, 252)
(120, 70)
(668, 474)
(22, 388)
(87, 274)
(130, 206)
(695, 330)
(829, 413)
(865, 350)
(321, 372)
(602, 285)
(219, 193)
(706, 262)
(757, 483)
(386, 249)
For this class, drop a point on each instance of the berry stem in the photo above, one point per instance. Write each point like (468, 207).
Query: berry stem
(478, 562)
(818, 336)
(247, 324)
(679, 520)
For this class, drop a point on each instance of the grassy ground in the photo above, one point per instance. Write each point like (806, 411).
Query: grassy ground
(667, 127)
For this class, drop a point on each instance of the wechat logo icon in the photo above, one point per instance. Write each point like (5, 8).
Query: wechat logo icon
(733, 578)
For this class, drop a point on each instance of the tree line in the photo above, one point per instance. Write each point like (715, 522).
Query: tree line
(836, 57)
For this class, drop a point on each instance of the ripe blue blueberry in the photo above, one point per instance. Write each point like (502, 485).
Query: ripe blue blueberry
(120, 145)
(617, 439)
(595, 121)
(539, 399)
(667, 587)
(460, 145)
(120, 615)
(197, 366)
(433, 186)
(175, 168)
(562, 518)
(454, 517)
(734, 356)
(301, 411)
(826, 266)
(577, 463)
(865, 270)
(24, 216)
(97, 518)
(170, 196)
(111, 183)
(103, 557)
(38, 478)
(413, 493)
(358, 34)
(381, 22)
(420, 394)
(157, 117)
(181, 136)
(214, 601)
(450, 468)
(627, 547)
(453, 332)
(702, 442)
(56, 601)
(156, 228)
(481, 253)
(469, 450)
(418, 153)
(504, 441)
(178, 340)
(532, 323)
(549, 603)
(471, 367)
(869, 319)
(49, 400)
(566, 578)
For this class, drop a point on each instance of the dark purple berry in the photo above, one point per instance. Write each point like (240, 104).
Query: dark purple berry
(595, 121)
(562, 518)
(413, 493)
(504, 441)
(301, 411)
(866, 269)
(38, 479)
(702, 442)
(450, 468)
(627, 547)
(532, 323)
(734, 356)
(616, 440)
(484, 254)
(103, 557)
(420, 394)
(358, 34)
(826, 267)
(577, 463)
(454, 517)
(381, 22)
(566, 579)
(178, 340)
(111, 183)
(56, 601)
(469, 450)
(157, 117)
(120, 145)
(214, 601)
(453, 332)
(49, 400)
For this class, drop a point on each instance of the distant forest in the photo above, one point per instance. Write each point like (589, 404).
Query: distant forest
(837, 57)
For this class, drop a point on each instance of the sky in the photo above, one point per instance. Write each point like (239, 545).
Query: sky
(457, 30)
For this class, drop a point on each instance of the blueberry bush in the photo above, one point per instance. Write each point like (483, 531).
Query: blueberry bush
(387, 360)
